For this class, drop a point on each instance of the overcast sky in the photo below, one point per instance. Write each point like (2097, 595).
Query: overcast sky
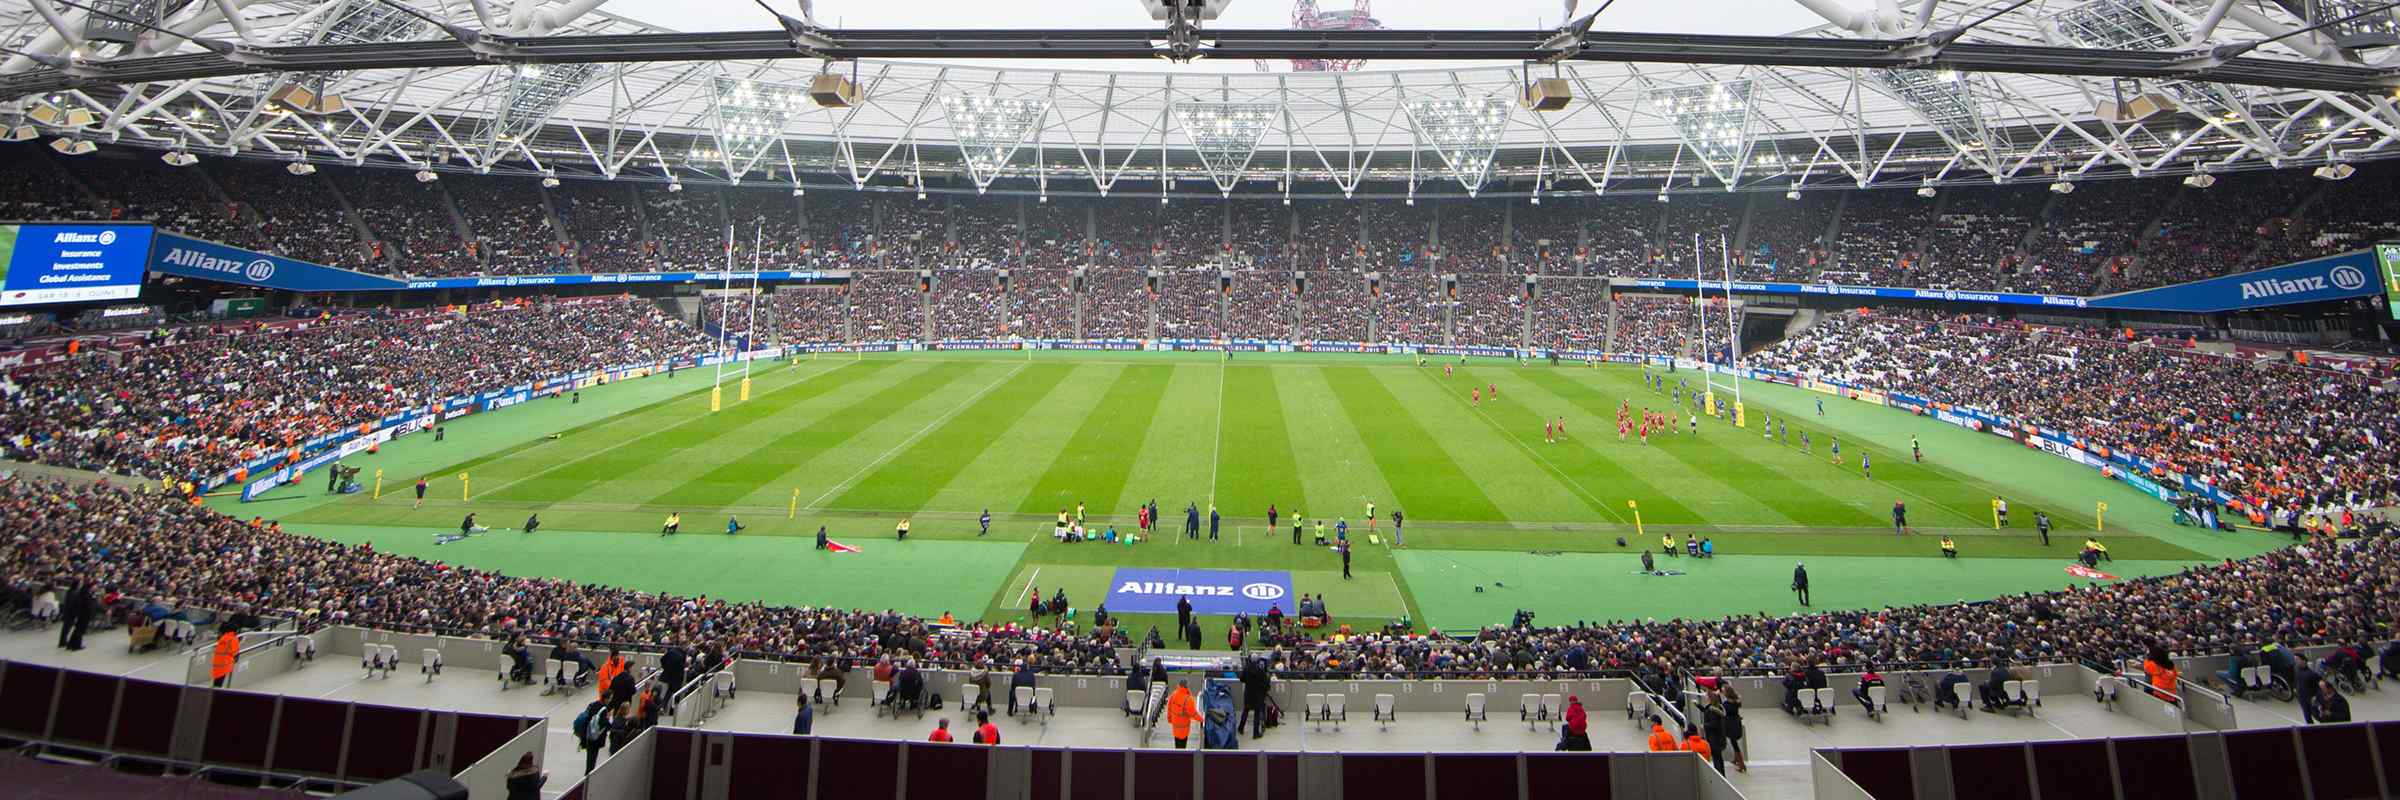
(1662, 16)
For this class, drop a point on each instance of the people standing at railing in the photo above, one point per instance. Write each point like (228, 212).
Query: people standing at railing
(2165, 678)
(1660, 740)
(75, 615)
(671, 666)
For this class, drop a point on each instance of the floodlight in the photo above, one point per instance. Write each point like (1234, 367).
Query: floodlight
(21, 133)
(300, 168)
(1662, 196)
(178, 158)
(2062, 187)
(2200, 180)
(427, 176)
(70, 146)
(1925, 191)
(549, 182)
(797, 191)
(675, 186)
(2334, 172)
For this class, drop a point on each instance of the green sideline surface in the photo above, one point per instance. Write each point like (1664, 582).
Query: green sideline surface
(857, 443)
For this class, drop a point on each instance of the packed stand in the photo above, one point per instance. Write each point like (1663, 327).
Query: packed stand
(886, 306)
(1126, 232)
(2350, 215)
(1489, 311)
(687, 228)
(1653, 324)
(1328, 237)
(36, 188)
(2090, 235)
(1973, 244)
(2218, 230)
(1334, 307)
(1878, 239)
(1470, 233)
(512, 231)
(806, 314)
(1191, 236)
(984, 229)
(212, 400)
(129, 550)
(1261, 236)
(1260, 305)
(766, 228)
(1571, 313)
(601, 220)
(292, 216)
(1544, 238)
(411, 221)
(1712, 218)
(1054, 232)
(841, 230)
(912, 233)
(966, 305)
(2272, 433)
(1116, 304)
(1393, 236)
(1787, 238)
(1041, 303)
(1408, 309)
(1189, 306)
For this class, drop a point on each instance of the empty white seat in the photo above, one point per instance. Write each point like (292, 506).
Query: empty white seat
(829, 691)
(304, 649)
(877, 692)
(1875, 706)
(1022, 697)
(1385, 710)
(1637, 703)
(1133, 704)
(968, 693)
(1315, 711)
(2031, 693)
(1475, 711)
(1529, 709)
(1966, 696)
(1337, 708)
(430, 663)
(1553, 709)
(1044, 703)
(721, 683)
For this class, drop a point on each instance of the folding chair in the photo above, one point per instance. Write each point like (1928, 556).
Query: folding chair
(1337, 708)
(1315, 711)
(1475, 712)
(2010, 692)
(1553, 709)
(721, 684)
(1637, 704)
(1876, 707)
(1133, 705)
(1044, 700)
(1530, 711)
(1965, 692)
(2030, 694)
(304, 650)
(829, 692)
(1385, 711)
(878, 692)
(431, 664)
(968, 693)
(1023, 698)
(378, 658)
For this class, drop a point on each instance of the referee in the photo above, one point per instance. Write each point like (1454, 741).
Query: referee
(1899, 518)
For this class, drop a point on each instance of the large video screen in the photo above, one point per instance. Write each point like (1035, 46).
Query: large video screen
(69, 262)
(2387, 260)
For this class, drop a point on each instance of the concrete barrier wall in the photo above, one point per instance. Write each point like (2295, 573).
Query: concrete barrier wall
(1828, 783)
(626, 775)
(488, 778)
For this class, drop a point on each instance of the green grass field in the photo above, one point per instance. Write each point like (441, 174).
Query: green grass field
(854, 444)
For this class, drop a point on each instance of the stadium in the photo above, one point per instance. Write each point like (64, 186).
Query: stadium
(637, 400)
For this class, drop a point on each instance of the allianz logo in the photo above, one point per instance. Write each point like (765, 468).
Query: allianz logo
(2344, 277)
(1254, 591)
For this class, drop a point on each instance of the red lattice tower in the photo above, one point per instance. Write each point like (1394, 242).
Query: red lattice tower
(1307, 17)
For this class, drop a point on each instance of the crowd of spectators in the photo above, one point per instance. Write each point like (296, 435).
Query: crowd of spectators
(1334, 308)
(1489, 310)
(687, 228)
(295, 217)
(605, 226)
(2084, 243)
(886, 305)
(1190, 306)
(512, 236)
(966, 305)
(213, 398)
(1713, 218)
(1408, 308)
(2266, 432)
(1041, 303)
(1260, 305)
(1571, 313)
(1653, 324)
(131, 549)
(1116, 304)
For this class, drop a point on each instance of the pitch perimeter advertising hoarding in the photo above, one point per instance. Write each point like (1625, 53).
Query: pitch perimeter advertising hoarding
(2387, 260)
(71, 262)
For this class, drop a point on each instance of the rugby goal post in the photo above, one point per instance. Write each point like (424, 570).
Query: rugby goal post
(1718, 384)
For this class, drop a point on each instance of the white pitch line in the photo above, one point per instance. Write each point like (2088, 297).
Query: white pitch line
(1217, 447)
(1029, 579)
(912, 439)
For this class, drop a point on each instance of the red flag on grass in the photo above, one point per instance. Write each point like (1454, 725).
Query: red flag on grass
(838, 547)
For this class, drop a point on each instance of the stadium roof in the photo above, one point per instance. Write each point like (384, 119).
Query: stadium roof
(1945, 91)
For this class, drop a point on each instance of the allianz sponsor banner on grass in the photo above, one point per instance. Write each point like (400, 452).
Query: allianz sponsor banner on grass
(1212, 591)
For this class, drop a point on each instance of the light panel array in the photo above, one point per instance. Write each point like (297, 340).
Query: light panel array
(2134, 25)
(1946, 100)
(536, 90)
(750, 116)
(361, 22)
(1464, 131)
(989, 129)
(1225, 135)
(1713, 119)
